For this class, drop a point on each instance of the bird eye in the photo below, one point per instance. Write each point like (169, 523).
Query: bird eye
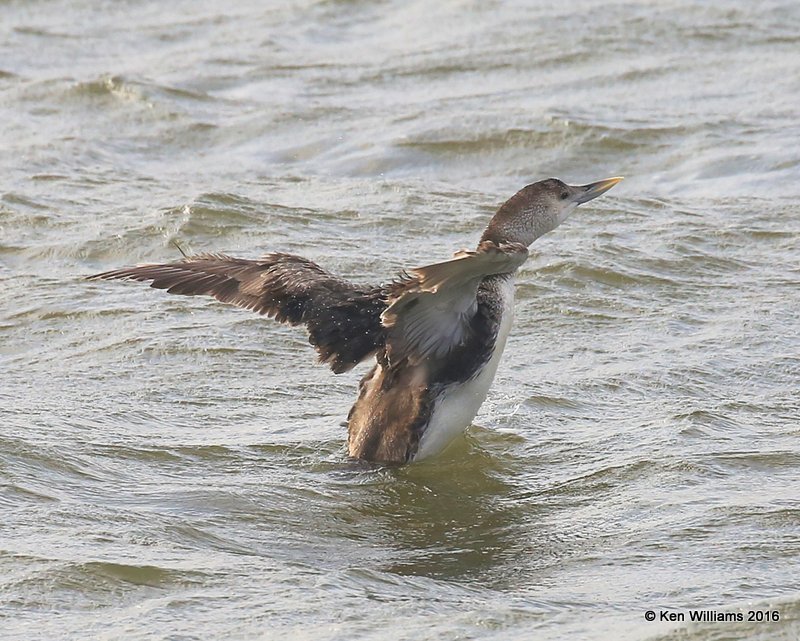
(564, 195)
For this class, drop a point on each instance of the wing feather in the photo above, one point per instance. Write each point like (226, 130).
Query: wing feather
(429, 314)
(343, 319)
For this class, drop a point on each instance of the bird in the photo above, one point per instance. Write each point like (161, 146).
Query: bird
(436, 333)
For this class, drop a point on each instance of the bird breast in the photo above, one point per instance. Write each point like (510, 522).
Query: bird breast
(458, 403)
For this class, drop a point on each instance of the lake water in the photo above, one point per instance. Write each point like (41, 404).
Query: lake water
(175, 469)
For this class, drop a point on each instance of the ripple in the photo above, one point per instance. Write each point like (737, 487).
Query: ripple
(175, 468)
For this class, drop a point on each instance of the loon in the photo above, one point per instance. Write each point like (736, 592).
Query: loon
(436, 332)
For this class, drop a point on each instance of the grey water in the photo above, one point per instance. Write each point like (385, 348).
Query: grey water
(175, 469)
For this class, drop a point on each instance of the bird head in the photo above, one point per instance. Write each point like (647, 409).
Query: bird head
(539, 208)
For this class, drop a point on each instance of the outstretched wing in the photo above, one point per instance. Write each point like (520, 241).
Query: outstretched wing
(430, 314)
(343, 320)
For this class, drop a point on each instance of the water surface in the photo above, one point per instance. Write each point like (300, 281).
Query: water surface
(175, 469)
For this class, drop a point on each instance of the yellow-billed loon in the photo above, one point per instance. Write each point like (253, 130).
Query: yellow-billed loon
(437, 332)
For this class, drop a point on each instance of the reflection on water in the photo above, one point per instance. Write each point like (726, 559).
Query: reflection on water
(455, 519)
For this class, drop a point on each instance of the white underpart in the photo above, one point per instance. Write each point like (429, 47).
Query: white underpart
(455, 409)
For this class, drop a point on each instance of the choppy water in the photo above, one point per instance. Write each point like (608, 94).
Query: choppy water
(174, 469)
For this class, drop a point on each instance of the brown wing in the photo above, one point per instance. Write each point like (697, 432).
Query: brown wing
(343, 320)
(430, 314)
